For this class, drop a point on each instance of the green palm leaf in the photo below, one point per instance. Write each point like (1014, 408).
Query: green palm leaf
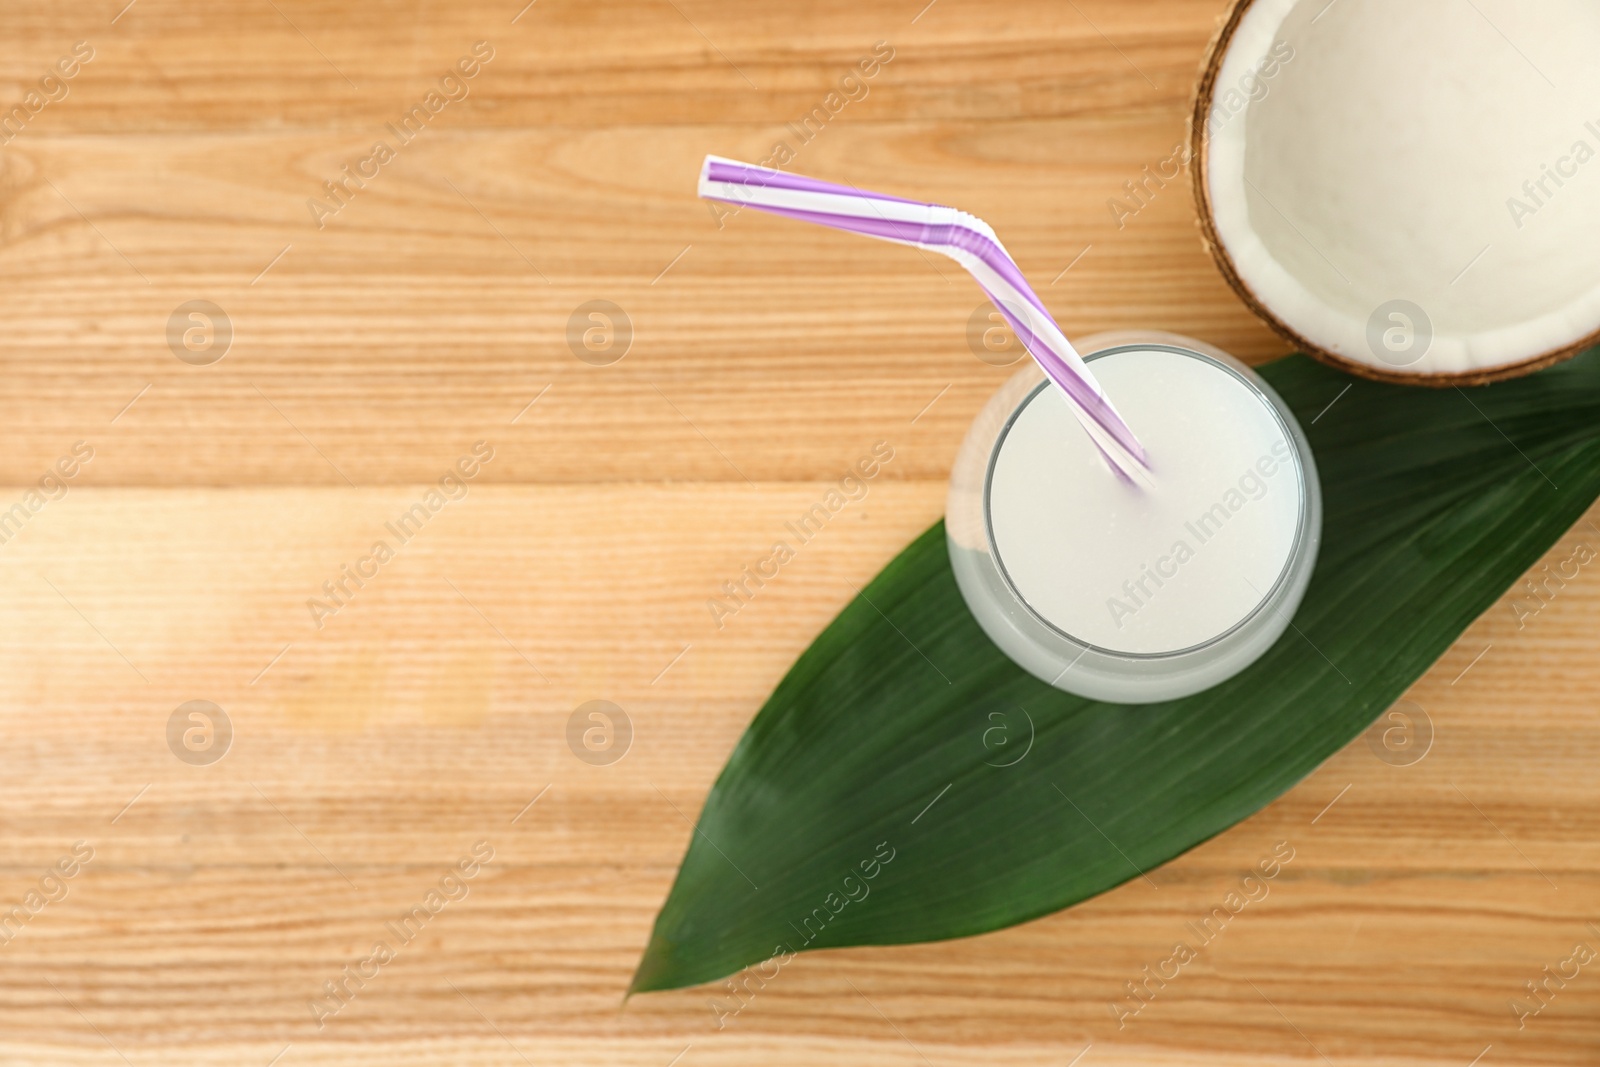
(874, 744)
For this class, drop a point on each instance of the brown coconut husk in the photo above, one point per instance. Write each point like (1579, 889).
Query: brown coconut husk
(1205, 90)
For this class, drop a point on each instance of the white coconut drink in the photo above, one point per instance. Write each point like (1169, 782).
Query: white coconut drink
(1134, 539)
(1136, 594)
(1408, 190)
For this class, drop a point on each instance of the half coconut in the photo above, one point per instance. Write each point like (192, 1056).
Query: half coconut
(1408, 190)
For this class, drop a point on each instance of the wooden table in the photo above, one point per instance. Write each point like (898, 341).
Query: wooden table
(378, 738)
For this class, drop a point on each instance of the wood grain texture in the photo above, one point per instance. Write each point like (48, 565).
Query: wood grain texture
(371, 753)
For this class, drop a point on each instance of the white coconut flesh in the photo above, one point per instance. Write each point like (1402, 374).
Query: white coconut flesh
(1414, 186)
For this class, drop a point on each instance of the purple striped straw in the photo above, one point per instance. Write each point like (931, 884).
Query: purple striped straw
(967, 240)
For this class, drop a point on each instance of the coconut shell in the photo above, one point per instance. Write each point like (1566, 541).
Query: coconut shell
(1205, 89)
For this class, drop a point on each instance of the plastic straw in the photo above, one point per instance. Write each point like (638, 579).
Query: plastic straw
(967, 240)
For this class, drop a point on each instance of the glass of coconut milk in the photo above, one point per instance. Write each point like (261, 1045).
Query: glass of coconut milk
(1136, 593)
